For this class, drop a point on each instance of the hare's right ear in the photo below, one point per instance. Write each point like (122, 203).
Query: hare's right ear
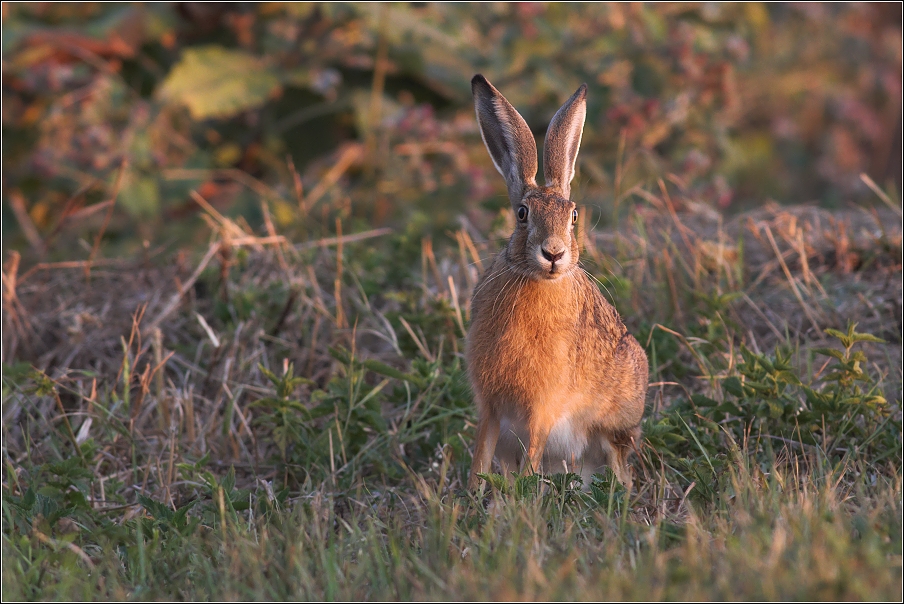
(508, 139)
(563, 139)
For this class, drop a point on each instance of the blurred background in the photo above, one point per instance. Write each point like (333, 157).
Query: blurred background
(294, 115)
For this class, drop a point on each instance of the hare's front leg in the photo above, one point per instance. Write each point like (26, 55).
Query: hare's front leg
(487, 435)
(539, 429)
(617, 445)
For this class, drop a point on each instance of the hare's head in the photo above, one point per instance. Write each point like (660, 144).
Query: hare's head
(544, 245)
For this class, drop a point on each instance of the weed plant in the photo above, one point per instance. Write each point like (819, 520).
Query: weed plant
(313, 447)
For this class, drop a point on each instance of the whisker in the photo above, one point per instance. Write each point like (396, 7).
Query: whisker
(521, 280)
(615, 260)
(508, 285)
(482, 259)
(484, 284)
(599, 217)
(586, 272)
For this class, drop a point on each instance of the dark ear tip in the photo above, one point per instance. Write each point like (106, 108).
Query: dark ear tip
(478, 81)
(581, 91)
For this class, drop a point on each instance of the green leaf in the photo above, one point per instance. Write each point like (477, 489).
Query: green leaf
(341, 354)
(836, 334)
(696, 440)
(867, 337)
(270, 375)
(156, 509)
(733, 386)
(858, 356)
(495, 481)
(527, 485)
(703, 401)
(830, 352)
(775, 409)
(729, 408)
(788, 377)
(229, 481)
(384, 369)
(758, 386)
(670, 438)
(17, 373)
(564, 481)
(215, 82)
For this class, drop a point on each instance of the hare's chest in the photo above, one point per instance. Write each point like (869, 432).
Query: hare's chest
(524, 362)
(522, 342)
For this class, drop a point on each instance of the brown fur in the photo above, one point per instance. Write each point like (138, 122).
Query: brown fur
(548, 357)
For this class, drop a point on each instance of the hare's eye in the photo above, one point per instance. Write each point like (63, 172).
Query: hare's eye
(574, 217)
(522, 213)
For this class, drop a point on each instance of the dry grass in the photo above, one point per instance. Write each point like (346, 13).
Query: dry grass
(796, 269)
(162, 366)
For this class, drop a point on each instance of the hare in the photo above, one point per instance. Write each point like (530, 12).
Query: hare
(558, 381)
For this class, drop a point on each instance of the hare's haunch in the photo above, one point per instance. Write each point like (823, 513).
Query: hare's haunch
(558, 380)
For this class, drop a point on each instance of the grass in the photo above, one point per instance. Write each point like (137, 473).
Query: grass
(294, 422)
(768, 538)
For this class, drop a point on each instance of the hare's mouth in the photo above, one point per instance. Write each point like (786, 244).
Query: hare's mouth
(553, 270)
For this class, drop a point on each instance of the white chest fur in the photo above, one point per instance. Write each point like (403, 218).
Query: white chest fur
(564, 444)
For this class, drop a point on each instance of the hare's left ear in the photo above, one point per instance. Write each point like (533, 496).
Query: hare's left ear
(563, 139)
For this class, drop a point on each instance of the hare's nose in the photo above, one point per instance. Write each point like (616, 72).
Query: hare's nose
(552, 257)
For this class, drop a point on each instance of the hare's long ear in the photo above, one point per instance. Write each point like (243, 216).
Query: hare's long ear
(560, 150)
(507, 137)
